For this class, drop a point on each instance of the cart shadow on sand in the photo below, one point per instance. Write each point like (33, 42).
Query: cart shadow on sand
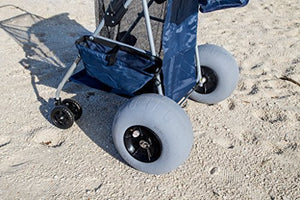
(49, 50)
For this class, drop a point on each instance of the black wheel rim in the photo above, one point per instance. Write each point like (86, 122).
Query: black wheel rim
(142, 144)
(211, 81)
(74, 107)
(62, 118)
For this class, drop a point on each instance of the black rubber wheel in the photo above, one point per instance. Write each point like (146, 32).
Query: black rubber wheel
(62, 117)
(142, 144)
(74, 106)
(211, 81)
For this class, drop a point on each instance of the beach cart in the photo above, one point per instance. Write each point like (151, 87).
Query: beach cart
(151, 132)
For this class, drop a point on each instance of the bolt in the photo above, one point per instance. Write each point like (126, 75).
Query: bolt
(136, 133)
(144, 144)
(202, 81)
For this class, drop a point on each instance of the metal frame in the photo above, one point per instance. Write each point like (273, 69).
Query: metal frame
(200, 79)
(152, 48)
(151, 43)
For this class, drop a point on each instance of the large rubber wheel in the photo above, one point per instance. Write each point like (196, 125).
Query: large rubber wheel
(152, 133)
(74, 106)
(220, 72)
(62, 117)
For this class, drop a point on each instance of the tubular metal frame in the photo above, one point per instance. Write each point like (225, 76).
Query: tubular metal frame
(152, 48)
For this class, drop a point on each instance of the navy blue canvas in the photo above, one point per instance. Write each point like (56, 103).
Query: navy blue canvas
(84, 78)
(126, 75)
(179, 41)
(212, 5)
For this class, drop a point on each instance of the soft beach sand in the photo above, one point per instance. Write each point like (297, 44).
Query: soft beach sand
(246, 147)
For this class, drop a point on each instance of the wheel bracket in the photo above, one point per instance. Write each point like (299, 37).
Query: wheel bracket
(57, 102)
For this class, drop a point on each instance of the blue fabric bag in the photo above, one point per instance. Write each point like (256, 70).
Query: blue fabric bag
(212, 5)
(127, 75)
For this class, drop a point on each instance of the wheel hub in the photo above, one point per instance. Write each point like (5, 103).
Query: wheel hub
(142, 144)
(62, 117)
(208, 82)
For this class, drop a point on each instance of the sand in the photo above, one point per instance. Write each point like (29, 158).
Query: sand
(246, 147)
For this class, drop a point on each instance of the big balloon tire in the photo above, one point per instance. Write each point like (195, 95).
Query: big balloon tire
(220, 74)
(152, 134)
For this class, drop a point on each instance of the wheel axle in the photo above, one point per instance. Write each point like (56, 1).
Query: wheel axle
(142, 144)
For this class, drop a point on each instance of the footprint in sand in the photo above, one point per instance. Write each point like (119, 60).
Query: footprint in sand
(270, 115)
(249, 137)
(247, 87)
(46, 136)
(223, 142)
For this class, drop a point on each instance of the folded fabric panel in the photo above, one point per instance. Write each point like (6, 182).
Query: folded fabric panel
(179, 42)
(213, 5)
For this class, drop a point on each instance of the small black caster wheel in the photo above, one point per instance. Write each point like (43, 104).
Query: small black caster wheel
(74, 107)
(62, 117)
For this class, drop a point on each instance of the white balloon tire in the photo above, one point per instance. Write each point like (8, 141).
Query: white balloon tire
(167, 120)
(226, 69)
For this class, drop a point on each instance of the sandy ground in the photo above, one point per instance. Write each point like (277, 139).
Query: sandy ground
(246, 147)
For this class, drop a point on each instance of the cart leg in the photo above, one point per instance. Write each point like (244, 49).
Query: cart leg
(66, 78)
(151, 42)
(99, 28)
(198, 65)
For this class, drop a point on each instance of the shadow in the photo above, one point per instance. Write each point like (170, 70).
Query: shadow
(49, 49)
